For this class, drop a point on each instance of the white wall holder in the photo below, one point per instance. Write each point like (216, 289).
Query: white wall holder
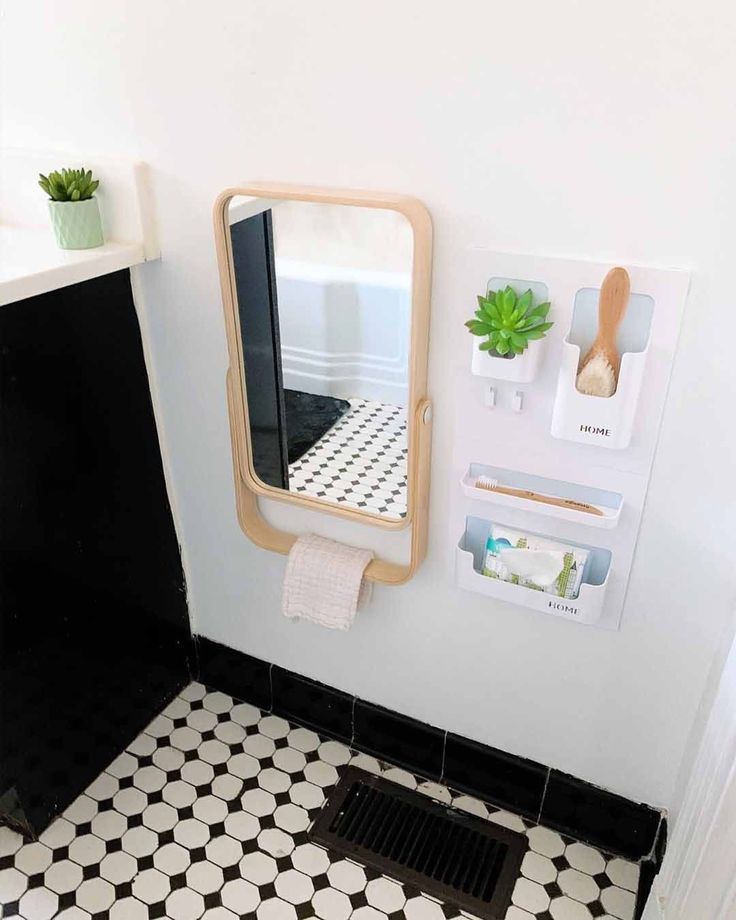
(521, 368)
(585, 608)
(517, 448)
(610, 503)
(603, 421)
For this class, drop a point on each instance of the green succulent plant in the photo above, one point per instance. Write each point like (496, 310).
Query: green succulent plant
(69, 185)
(509, 322)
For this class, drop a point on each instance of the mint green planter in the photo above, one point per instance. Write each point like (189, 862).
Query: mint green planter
(76, 224)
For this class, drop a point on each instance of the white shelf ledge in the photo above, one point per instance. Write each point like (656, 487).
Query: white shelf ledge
(31, 263)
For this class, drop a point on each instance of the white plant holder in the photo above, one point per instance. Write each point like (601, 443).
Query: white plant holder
(610, 503)
(602, 421)
(521, 368)
(585, 608)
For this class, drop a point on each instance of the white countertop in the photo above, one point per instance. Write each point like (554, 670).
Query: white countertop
(31, 263)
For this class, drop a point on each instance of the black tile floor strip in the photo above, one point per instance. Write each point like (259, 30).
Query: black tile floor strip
(512, 782)
(607, 820)
(417, 841)
(564, 803)
(312, 704)
(399, 739)
(649, 869)
(234, 672)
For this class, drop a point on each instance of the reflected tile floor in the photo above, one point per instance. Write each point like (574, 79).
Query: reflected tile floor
(360, 462)
(205, 815)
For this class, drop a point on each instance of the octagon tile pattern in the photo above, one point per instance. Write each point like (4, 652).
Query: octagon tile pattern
(359, 462)
(205, 817)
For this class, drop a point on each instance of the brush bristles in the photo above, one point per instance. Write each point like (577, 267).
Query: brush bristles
(597, 378)
(485, 482)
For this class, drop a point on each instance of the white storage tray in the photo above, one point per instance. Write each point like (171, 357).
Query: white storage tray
(586, 608)
(610, 503)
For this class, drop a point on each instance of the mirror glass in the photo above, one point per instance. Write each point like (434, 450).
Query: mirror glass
(324, 302)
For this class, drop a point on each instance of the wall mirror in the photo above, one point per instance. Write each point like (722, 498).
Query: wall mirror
(326, 298)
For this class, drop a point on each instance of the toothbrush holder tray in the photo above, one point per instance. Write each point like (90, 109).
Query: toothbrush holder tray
(609, 503)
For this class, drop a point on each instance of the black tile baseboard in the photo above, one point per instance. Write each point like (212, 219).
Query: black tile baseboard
(559, 801)
(506, 780)
(611, 821)
(650, 868)
(317, 706)
(233, 672)
(399, 739)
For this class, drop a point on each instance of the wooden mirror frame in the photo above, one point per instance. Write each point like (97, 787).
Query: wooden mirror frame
(419, 413)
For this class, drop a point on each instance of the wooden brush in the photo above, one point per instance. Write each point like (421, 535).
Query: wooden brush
(598, 371)
(492, 485)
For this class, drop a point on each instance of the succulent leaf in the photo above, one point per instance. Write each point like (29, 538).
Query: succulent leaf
(493, 311)
(532, 323)
(539, 332)
(478, 328)
(508, 322)
(542, 310)
(69, 184)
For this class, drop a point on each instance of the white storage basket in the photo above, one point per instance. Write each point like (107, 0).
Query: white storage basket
(603, 421)
(585, 608)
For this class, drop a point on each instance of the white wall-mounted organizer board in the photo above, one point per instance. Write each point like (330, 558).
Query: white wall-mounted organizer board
(531, 430)
(31, 263)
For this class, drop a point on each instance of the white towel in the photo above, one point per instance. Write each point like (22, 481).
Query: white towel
(324, 581)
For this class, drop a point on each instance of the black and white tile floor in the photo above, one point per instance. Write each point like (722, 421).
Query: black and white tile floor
(205, 815)
(360, 461)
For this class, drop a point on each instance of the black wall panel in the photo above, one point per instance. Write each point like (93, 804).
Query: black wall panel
(94, 630)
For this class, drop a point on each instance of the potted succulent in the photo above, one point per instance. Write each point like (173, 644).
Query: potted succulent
(75, 214)
(511, 327)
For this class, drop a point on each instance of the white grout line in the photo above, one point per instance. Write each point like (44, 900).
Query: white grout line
(352, 723)
(544, 795)
(270, 686)
(652, 854)
(444, 754)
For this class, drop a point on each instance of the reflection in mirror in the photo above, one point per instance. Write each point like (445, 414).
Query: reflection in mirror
(324, 302)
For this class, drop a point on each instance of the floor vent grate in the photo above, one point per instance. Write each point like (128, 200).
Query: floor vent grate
(406, 835)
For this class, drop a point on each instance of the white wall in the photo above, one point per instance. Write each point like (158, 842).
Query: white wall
(575, 128)
(698, 875)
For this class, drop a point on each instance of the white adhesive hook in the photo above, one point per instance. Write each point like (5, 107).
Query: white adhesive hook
(518, 401)
(490, 397)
